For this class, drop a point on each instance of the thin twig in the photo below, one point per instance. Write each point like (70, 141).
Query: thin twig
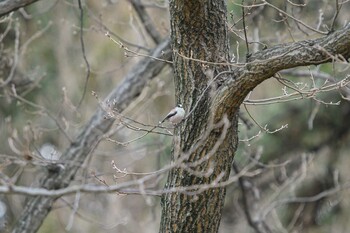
(84, 53)
(74, 210)
(15, 58)
(245, 30)
(295, 19)
(41, 108)
(127, 50)
(256, 225)
(146, 20)
(337, 10)
(265, 129)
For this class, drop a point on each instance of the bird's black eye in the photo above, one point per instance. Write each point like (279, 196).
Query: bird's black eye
(179, 105)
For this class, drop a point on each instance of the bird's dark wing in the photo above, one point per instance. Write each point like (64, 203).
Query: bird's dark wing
(169, 115)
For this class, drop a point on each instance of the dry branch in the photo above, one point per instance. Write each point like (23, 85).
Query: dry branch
(261, 66)
(38, 207)
(264, 64)
(146, 20)
(8, 6)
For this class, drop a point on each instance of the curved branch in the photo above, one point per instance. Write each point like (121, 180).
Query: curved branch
(38, 207)
(264, 64)
(7, 6)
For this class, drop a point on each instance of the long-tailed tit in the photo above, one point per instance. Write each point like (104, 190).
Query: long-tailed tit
(176, 115)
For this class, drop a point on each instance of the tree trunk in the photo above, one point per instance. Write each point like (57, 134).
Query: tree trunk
(204, 146)
(211, 93)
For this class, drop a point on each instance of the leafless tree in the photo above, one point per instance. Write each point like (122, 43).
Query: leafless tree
(212, 82)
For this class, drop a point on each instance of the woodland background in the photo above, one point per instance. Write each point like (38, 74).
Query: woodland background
(294, 151)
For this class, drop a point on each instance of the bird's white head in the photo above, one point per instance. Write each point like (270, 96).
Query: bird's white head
(176, 115)
(179, 114)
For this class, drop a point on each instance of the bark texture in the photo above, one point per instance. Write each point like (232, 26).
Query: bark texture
(206, 149)
(203, 74)
(205, 141)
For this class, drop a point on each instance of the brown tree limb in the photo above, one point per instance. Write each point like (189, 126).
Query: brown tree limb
(7, 6)
(264, 64)
(37, 208)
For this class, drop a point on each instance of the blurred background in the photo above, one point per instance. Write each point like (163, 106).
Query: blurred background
(296, 146)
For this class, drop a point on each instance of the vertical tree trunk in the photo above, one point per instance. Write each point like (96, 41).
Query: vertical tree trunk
(199, 33)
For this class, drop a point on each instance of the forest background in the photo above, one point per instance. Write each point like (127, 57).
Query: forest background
(61, 60)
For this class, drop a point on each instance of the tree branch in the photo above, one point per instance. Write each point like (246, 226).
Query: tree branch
(256, 224)
(264, 64)
(38, 207)
(7, 6)
(146, 20)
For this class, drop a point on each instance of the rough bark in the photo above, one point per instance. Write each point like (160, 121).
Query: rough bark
(37, 208)
(7, 6)
(199, 32)
(199, 40)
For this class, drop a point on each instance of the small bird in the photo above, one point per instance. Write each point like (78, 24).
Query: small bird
(176, 115)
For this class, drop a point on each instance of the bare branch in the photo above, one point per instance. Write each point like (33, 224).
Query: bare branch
(94, 130)
(292, 17)
(314, 198)
(15, 58)
(82, 43)
(127, 50)
(8, 6)
(245, 30)
(264, 64)
(337, 10)
(146, 20)
(257, 225)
